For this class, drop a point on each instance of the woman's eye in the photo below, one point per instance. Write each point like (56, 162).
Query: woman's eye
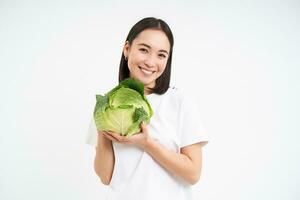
(143, 50)
(162, 55)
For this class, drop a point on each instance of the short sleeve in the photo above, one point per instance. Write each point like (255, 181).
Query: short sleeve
(92, 136)
(191, 129)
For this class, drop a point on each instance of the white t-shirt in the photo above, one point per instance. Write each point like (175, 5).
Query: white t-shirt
(137, 176)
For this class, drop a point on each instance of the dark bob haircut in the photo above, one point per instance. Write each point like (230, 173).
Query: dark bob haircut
(163, 82)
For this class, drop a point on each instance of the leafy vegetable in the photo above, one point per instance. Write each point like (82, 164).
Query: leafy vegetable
(123, 108)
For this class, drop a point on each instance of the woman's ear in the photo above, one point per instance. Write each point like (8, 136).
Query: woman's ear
(126, 49)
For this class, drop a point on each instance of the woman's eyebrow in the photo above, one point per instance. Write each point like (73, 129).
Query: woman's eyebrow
(146, 45)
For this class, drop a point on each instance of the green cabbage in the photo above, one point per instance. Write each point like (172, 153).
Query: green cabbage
(123, 109)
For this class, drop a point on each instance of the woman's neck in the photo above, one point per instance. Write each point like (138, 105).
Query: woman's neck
(147, 91)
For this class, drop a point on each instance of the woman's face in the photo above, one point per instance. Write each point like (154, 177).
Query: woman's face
(147, 56)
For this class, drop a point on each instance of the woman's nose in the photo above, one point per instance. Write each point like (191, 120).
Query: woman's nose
(150, 61)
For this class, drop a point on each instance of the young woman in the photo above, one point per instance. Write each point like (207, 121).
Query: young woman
(165, 159)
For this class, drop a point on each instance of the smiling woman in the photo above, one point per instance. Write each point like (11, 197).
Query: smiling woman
(165, 158)
(147, 56)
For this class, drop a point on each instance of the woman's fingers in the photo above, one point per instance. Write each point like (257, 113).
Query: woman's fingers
(109, 136)
(144, 127)
(136, 139)
(115, 137)
(118, 137)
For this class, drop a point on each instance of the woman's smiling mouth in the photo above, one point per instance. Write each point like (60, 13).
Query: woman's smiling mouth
(145, 71)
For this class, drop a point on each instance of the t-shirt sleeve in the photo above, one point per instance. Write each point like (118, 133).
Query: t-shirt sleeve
(191, 129)
(92, 135)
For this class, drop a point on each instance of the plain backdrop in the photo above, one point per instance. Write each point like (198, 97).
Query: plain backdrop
(240, 59)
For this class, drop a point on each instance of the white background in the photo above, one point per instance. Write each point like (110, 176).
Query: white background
(240, 59)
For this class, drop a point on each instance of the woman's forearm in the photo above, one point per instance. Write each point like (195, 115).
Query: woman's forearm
(178, 164)
(104, 159)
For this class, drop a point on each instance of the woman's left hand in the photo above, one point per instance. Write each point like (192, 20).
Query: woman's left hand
(139, 139)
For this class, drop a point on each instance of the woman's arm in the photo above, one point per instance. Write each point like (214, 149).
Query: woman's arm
(104, 159)
(186, 164)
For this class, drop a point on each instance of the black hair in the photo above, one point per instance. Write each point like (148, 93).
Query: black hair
(163, 82)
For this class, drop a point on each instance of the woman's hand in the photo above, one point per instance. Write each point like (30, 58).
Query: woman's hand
(140, 139)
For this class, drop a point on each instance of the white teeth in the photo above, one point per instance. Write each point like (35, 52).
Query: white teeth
(146, 71)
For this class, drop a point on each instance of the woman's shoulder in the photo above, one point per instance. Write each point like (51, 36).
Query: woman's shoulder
(181, 96)
(176, 92)
(175, 95)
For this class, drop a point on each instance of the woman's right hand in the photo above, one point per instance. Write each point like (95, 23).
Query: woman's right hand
(104, 139)
(140, 139)
(106, 136)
